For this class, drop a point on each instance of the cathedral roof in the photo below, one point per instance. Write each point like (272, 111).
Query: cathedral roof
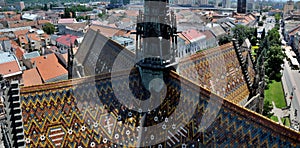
(83, 112)
(217, 69)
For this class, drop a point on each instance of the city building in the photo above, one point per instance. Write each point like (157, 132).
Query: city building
(226, 3)
(211, 40)
(288, 7)
(242, 6)
(65, 42)
(203, 2)
(76, 29)
(125, 41)
(9, 66)
(46, 62)
(2, 3)
(31, 77)
(193, 42)
(20, 5)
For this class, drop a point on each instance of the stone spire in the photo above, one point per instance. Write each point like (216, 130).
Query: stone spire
(156, 40)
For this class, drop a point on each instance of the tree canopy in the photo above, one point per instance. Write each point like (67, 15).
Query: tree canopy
(277, 17)
(70, 12)
(267, 109)
(225, 39)
(241, 32)
(274, 55)
(49, 28)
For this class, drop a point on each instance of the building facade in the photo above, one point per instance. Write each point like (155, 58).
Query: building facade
(241, 6)
(288, 7)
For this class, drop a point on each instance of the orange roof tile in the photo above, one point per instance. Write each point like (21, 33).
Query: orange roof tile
(20, 32)
(132, 13)
(19, 52)
(4, 38)
(14, 44)
(10, 68)
(22, 24)
(23, 39)
(49, 67)
(40, 22)
(31, 77)
(33, 36)
(108, 31)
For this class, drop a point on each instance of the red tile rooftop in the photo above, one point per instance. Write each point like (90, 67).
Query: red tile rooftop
(40, 22)
(20, 32)
(31, 77)
(19, 52)
(4, 38)
(49, 67)
(33, 36)
(108, 31)
(67, 39)
(193, 35)
(10, 69)
(22, 24)
(23, 39)
(67, 21)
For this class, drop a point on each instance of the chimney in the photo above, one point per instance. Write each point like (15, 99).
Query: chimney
(33, 64)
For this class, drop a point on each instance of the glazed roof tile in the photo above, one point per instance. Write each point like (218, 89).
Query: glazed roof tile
(217, 69)
(80, 107)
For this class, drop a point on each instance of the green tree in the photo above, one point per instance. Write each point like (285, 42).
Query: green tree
(277, 17)
(264, 17)
(273, 36)
(260, 23)
(225, 39)
(45, 7)
(67, 13)
(49, 28)
(274, 60)
(241, 32)
(267, 109)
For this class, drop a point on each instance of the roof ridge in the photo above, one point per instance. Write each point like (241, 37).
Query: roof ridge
(206, 52)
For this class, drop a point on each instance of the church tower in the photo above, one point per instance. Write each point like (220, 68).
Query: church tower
(156, 40)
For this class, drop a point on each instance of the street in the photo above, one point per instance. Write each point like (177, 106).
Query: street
(291, 82)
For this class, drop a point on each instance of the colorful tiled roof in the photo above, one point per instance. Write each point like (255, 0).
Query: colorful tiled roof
(217, 69)
(85, 112)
